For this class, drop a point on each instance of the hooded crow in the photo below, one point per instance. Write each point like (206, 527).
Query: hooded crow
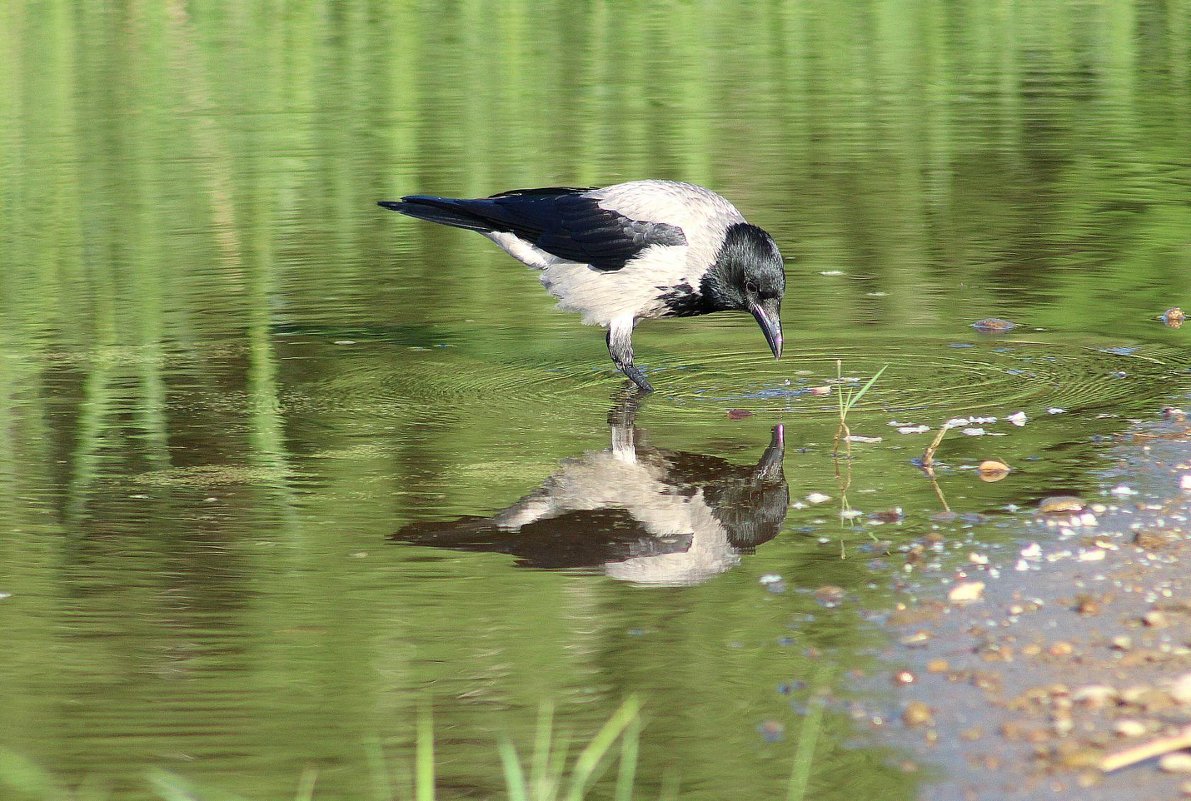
(630, 252)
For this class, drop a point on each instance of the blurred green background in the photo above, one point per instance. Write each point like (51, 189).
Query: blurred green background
(226, 376)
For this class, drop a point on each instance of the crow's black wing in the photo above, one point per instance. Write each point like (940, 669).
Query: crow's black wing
(559, 220)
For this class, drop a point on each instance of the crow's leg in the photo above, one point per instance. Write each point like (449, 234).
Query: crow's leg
(620, 348)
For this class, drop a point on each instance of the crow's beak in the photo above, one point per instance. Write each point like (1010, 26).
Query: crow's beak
(769, 317)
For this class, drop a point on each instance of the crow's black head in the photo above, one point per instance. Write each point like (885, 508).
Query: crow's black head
(749, 275)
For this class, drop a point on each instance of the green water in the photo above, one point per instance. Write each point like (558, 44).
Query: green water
(233, 390)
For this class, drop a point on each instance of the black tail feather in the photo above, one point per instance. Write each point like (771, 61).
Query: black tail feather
(444, 210)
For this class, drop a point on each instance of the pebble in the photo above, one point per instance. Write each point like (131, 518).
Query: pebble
(1174, 317)
(966, 592)
(1180, 689)
(772, 730)
(1178, 762)
(1055, 504)
(1094, 696)
(918, 714)
(1185, 482)
(1128, 728)
(995, 325)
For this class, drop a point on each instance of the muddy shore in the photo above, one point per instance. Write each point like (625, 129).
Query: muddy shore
(1038, 671)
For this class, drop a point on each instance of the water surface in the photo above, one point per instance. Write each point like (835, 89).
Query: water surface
(259, 434)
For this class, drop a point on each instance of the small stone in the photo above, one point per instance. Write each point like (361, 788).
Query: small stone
(1185, 482)
(918, 714)
(1178, 762)
(1121, 642)
(994, 325)
(1180, 689)
(938, 666)
(903, 677)
(966, 592)
(918, 639)
(1151, 540)
(1060, 648)
(772, 730)
(829, 596)
(1155, 619)
(1174, 317)
(1128, 728)
(1056, 504)
(1094, 696)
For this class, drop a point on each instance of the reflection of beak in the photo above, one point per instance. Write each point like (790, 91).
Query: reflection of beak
(769, 317)
(770, 466)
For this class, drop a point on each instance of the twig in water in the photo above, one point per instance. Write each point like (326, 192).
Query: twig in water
(1140, 753)
(928, 458)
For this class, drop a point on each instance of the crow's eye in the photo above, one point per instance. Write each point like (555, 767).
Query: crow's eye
(750, 288)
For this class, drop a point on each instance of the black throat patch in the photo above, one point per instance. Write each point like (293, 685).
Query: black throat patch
(683, 300)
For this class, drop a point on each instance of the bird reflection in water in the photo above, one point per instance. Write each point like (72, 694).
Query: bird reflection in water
(637, 512)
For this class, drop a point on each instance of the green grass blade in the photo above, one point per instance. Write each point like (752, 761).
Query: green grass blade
(543, 735)
(24, 775)
(514, 775)
(629, 750)
(171, 787)
(590, 757)
(424, 756)
(382, 788)
(306, 785)
(808, 738)
(855, 399)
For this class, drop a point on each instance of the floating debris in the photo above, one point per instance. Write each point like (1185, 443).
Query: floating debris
(831, 273)
(1173, 317)
(994, 325)
(819, 392)
(817, 497)
(919, 429)
(1017, 418)
(1055, 410)
(859, 438)
(973, 432)
(1122, 491)
(739, 414)
(1185, 482)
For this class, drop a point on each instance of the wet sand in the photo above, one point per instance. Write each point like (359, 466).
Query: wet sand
(1076, 649)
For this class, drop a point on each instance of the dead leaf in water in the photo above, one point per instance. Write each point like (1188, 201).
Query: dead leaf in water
(992, 470)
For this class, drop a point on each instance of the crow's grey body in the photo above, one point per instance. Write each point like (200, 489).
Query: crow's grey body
(629, 252)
